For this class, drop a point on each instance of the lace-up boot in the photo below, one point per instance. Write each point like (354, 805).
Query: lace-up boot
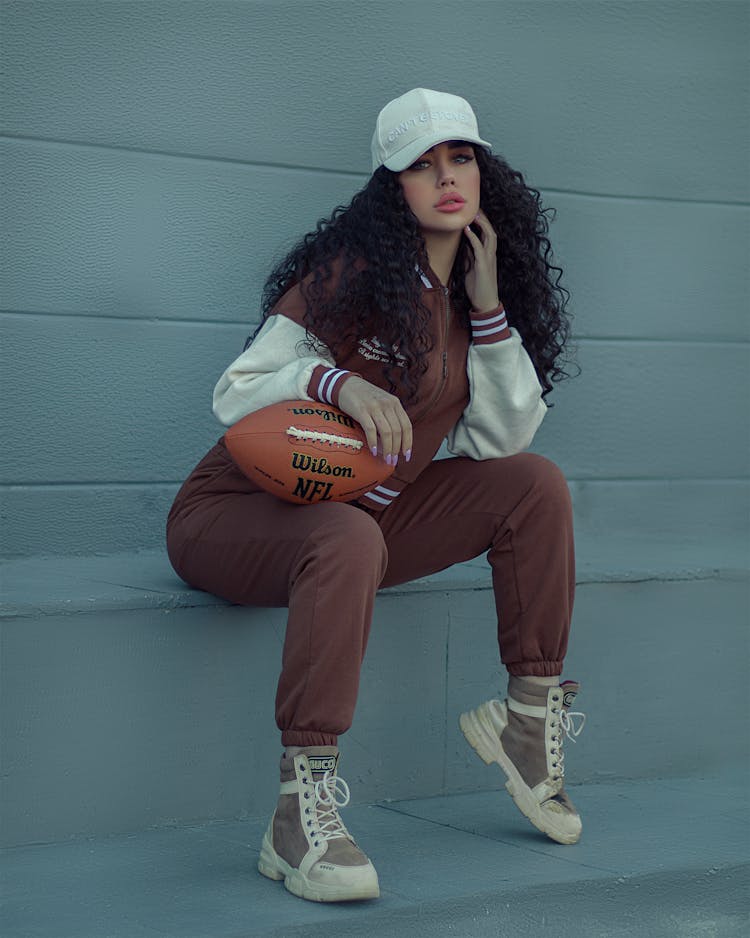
(307, 844)
(524, 735)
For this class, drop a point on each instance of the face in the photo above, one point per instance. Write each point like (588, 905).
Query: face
(442, 187)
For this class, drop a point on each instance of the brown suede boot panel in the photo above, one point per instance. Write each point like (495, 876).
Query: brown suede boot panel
(523, 740)
(289, 839)
(562, 799)
(344, 852)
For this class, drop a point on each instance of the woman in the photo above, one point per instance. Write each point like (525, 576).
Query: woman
(391, 310)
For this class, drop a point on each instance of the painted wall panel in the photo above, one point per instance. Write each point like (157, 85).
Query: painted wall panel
(102, 232)
(654, 269)
(119, 721)
(112, 518)
(93, 231)
(92, 518)
(618, 97)
(646, 410)
(703, 511)
(147, 266)
(82, 520)
(130, 401)
(123, 403)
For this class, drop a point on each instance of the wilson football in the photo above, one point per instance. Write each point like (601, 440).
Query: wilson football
(305, 452)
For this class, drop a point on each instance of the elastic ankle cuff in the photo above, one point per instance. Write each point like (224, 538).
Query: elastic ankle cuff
(535, 668)
(305, 738)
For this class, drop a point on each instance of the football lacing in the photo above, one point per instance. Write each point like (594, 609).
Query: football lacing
(317, 436)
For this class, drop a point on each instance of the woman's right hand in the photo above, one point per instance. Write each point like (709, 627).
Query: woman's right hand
(380, 415)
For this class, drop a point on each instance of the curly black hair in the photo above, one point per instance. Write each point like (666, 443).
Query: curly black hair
(360, 265)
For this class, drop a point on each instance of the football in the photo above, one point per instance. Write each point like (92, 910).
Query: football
(305, 452)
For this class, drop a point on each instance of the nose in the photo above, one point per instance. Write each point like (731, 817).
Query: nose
(445, 173)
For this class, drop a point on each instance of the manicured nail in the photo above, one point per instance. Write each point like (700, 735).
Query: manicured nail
(374, 450)
(395, 460)
(407, 455)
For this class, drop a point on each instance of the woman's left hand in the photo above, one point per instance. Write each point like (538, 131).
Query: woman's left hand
(481, 276)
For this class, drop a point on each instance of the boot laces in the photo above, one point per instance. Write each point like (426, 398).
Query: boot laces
(570, 728)
(571, 723)
(331, 793)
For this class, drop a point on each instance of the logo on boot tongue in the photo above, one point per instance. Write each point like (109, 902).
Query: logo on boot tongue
(322, 763)
(568, 698)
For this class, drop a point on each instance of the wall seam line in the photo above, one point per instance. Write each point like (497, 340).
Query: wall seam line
(347, 174)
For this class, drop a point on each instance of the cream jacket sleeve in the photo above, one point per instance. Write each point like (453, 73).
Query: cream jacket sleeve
(278, 366)
(505, 406)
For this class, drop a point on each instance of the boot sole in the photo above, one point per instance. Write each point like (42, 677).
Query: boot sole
(273, 866)
(481, 736)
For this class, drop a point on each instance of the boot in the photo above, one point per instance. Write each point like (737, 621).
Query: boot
(524, 735)
(307, 844)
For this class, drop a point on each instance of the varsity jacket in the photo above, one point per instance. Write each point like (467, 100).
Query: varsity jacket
(480, 392)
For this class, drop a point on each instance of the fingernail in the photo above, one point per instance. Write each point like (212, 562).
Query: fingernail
(407, 455)
(395, 460)
(374, 450)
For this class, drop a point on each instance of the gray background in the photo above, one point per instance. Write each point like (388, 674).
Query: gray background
(156, 157)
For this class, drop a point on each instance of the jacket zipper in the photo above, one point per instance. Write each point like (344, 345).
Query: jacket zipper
(445, 338)
(436, 396)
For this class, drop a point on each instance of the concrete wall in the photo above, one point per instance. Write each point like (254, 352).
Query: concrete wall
(126, 719)
(156, 158)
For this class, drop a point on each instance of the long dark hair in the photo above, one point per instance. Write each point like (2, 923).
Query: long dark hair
(362, 262)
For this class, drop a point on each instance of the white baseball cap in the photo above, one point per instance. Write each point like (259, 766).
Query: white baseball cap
(417, 121)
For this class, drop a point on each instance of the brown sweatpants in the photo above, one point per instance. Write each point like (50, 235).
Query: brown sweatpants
(327, 561)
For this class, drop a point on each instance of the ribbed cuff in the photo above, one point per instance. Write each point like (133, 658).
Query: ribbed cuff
(325, 384)
(306, 738)
(487, 328)
(535, 668)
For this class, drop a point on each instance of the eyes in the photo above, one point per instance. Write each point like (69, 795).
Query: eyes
(426, 161)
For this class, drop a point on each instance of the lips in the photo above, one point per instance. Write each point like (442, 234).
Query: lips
(450, 199)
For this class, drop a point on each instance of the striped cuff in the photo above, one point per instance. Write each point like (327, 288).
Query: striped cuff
(325, 384)
(489, 327)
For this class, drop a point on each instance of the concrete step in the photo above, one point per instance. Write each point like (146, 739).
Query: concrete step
(130, 701)
(657, 858)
